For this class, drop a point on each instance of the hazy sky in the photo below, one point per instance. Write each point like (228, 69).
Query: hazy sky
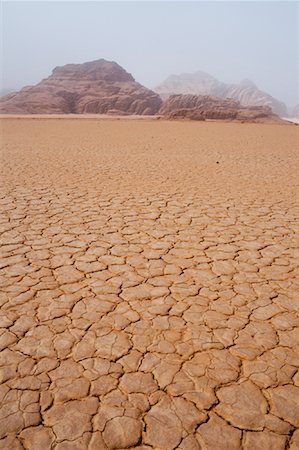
(151, 40)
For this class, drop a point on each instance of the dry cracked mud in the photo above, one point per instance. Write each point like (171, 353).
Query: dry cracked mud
(148, 285)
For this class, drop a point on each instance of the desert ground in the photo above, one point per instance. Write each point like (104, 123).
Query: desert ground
(148, 280)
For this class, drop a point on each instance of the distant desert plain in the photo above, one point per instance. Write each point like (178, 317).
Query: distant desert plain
(148, 284)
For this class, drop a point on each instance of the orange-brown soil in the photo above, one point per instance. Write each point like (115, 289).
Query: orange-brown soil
(148, 285)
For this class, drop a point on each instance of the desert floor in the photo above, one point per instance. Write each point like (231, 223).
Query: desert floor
(148, 285)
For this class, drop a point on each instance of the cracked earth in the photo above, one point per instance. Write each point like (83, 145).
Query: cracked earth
(148, 285)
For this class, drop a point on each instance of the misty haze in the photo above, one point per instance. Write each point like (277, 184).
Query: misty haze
(231, 41)
(149, 211)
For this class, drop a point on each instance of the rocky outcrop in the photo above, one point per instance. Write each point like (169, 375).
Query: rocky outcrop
(201, 107)
(201, 83)
(99, 87)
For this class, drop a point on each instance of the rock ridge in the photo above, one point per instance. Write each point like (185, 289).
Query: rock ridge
(201, 107)
(202, 83)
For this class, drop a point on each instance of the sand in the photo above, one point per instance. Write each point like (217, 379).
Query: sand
(148, 285)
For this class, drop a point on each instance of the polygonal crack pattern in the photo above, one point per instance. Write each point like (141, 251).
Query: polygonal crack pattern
(148, 297)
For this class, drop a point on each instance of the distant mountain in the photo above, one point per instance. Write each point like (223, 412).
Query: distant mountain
(5, 91)
(101, 87)
(202, 83)
(295, 112)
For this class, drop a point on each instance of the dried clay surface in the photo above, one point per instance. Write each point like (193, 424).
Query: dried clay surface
(148, 295)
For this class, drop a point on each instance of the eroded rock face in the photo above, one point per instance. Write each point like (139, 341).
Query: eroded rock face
(201, 83)
(201, 107)
(99, 87)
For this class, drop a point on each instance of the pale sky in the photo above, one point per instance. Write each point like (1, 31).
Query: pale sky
(230, 40)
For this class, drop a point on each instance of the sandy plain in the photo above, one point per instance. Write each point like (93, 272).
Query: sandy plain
(148, 280)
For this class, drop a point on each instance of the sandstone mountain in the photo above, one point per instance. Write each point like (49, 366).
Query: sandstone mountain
(201, 83)
(100, 87)
(201, 107)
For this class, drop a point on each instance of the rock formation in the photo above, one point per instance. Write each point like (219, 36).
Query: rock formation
(201, 107)
(201, 83)
(100, 87)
